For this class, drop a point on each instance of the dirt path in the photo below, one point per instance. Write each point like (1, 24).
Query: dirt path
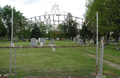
(114, 65)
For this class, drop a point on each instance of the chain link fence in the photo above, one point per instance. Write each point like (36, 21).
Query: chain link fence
(43, 62)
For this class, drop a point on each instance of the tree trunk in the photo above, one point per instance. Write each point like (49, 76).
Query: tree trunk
(117, 39)
(108, 41)
(9, 31)
(84, 40)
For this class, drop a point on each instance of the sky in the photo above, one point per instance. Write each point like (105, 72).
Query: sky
(32, 8)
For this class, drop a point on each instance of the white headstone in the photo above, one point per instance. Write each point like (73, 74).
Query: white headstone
(20, 46)
(12, 44)
(39, 40)
(74, 39)
(33, 42)
(114, 43)
(41, 43)
(53, 49)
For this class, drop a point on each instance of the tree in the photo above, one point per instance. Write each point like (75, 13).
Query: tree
(6, 13)
(109, 15)
(85, 32)
(3, 30)
(69, 27)
(35, 33)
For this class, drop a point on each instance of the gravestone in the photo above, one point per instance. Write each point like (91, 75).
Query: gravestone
(39, 40)
(57, 39)
(53, 49)
(81, 41)
(117, 47)
(22, 37)
(49, 44)
(114, 43)
(91, 41)
(87, 43)
(42, 40)
(41, 43)
(33, 42)
(15, 40)
(20, 46)
(12, 44)
(77, 40)
(53, 41)
(74, 39)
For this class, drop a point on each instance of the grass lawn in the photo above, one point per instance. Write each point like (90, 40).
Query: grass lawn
(63, 62)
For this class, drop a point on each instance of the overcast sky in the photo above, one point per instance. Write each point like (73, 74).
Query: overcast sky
(31, 8)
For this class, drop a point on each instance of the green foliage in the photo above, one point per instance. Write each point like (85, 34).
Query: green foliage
(26, 32)
(6, 14)
(109, 15)
(35, 33)
(69, 27)
(3, 30)
(85, 32)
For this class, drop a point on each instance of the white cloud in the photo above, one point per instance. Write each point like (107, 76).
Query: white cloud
(31, 8)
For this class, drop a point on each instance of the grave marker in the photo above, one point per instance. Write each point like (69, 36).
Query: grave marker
(42, 40)
(20, 46)
(49, 44)
(33, 42)
(81, 41)
(53, 41)
(41, 43)
(117, 47)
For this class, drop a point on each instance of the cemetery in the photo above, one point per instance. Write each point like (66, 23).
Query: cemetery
(59, 44)
(58, 59)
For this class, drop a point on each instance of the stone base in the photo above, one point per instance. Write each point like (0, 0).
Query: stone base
(33, 44)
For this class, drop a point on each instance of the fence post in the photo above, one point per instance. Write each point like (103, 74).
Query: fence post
(11, 44)
(101, 57)
(97, 44)
(15, 62)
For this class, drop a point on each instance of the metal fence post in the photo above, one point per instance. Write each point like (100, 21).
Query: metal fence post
(15, 62)
(97, 44)
(11, 44)
(101, 57)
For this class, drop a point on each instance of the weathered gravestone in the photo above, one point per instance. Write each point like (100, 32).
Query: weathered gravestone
(77, 40)
(117, 47)
(33, 42)
(53, 41)
(81, 41)
(49, 44)
(42, 40)
(20, 46)
(39, 40)
(91, 41)
(114, 43)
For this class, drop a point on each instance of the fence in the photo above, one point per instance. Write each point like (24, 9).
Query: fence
(42, 61)
(64, 62)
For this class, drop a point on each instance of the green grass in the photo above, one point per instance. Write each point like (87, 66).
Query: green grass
(63, 62)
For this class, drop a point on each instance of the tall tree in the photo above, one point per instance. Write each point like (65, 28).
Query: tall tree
(35, 33)
(106, 10)
(6, 14)
(3, 30)
(69, 27)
